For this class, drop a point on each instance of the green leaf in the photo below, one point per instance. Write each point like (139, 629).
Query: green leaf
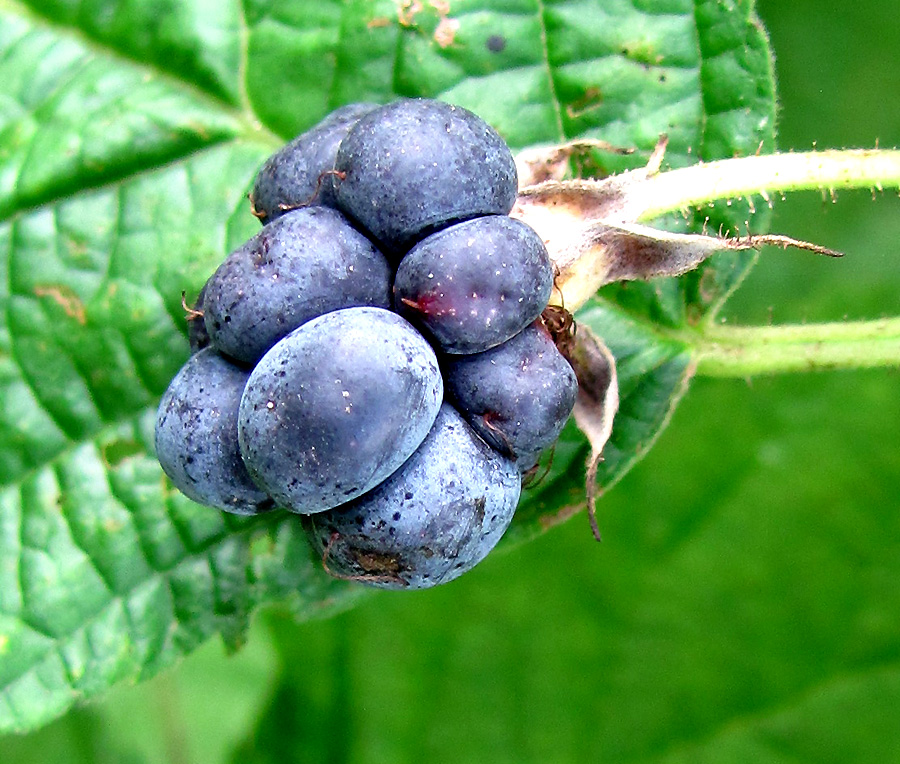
(87, 116)
(129, 135)
(740, 609)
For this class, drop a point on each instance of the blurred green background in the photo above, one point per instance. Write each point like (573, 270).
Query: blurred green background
(744, 605)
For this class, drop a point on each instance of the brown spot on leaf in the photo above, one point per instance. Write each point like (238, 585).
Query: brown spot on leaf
(591, 99)
(708, 288)
(407, 11)
(445, 33)
(66, 298)
(112, 526)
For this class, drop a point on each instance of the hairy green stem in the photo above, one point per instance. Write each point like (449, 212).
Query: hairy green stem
(726, 351)
(763, 176)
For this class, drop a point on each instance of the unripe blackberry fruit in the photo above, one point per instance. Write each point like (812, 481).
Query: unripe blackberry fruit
(517, 395)
(475, 284)
(299, 174)
(416, 165)
(305, 264)
(434, 519)
(196, 435)
(337, 406)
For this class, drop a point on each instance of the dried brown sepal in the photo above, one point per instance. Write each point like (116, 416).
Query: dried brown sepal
(591, 232)
(595, 405)
(592, 255)
(556, 204)
(554, 208)
(543, 163)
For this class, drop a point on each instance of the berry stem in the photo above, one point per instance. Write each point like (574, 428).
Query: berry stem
(737, 351)
(762, 176)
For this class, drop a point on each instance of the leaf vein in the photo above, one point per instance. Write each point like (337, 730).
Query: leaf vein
(123, 598)
(703, 116)
(77, 539)
(133, 511)
(545, 52)
(111, 181)
(105, 50)
(39, 399)
(244, 57)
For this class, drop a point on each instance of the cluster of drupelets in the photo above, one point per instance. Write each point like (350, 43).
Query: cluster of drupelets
(374, 358)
